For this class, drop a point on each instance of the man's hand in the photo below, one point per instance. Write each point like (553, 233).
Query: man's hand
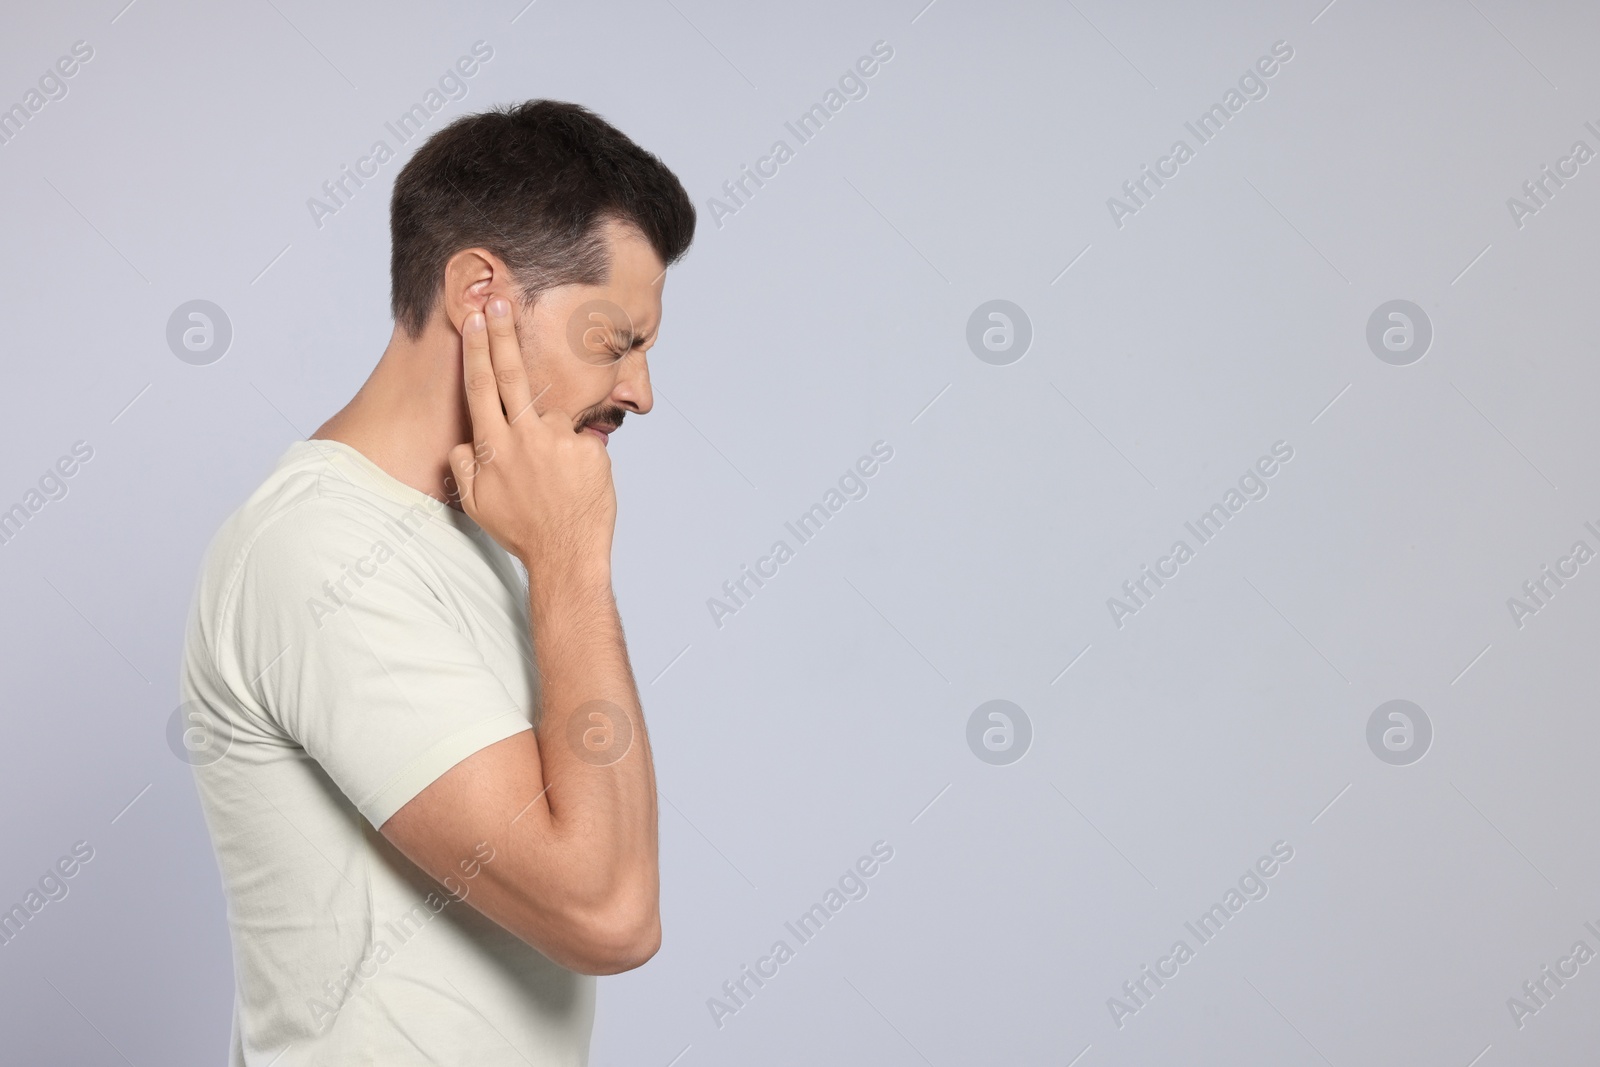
(538, 488)
(573, 802)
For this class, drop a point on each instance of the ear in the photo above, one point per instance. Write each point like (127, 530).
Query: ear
(471, 277)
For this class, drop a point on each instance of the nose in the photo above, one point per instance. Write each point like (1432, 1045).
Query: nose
(632, 390)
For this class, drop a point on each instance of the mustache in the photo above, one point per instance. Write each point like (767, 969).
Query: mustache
(605, 414)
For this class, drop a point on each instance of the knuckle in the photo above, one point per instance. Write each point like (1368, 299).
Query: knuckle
(481, 382)
(509, 375)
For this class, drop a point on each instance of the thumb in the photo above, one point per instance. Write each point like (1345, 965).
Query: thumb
(464, 467)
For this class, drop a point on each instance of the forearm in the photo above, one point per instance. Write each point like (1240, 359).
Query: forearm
(600, 794)
(580, 878)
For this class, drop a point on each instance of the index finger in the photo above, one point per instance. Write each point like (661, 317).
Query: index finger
(477, 375)
(506, 356)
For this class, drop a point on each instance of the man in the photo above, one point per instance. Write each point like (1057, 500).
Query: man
(427, 777)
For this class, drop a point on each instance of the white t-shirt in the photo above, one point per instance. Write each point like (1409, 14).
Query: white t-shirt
(351, 639)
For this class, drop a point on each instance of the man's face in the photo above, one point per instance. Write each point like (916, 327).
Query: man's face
(584, 345)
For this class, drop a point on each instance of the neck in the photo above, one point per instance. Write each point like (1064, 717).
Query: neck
(410, 412)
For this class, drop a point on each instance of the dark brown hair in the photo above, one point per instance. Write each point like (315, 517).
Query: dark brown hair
(533, 183)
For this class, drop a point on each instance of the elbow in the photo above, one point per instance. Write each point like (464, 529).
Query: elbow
(592, 921)
(598, 928)
(615, 939)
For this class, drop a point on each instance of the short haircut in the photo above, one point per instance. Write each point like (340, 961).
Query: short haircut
(533, 183)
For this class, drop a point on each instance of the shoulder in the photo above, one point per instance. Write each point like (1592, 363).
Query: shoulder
(301, 532)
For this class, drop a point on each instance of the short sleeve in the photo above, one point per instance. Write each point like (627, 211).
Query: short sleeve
(339, 625)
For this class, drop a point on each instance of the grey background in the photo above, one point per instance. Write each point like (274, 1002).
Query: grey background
(829, 313)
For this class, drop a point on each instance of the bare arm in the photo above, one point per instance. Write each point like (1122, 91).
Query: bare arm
(571, 807)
